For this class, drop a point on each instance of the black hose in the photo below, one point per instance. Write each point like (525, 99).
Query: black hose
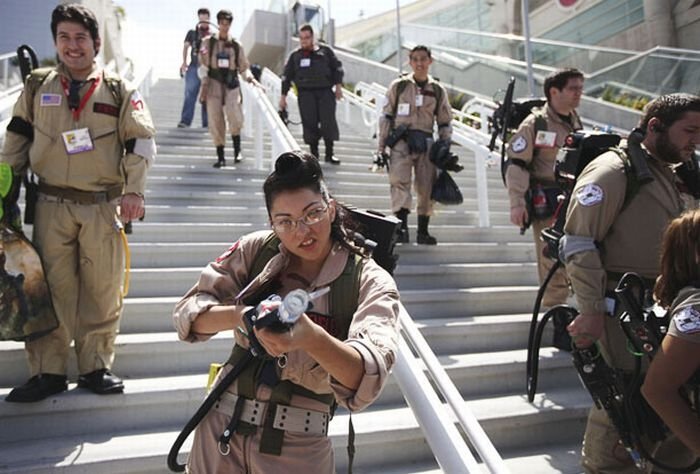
(531, 376)
(202, 411)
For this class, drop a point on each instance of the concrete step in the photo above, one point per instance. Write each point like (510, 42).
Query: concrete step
(382, 434)
(175, 281)
(474, 373)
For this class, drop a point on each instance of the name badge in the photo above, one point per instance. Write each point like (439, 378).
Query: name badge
(546, 139)
(222, 61)
(403, 109)
(419, 100)
(305, 62)
(77, 141)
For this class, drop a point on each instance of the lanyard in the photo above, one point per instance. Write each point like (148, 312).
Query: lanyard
(86, 97)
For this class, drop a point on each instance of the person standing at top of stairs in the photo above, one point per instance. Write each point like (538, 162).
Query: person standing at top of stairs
(193, 43)
(222, 62)
(315, 69)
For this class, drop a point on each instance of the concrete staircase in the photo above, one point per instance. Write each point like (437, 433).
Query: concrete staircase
(471, 296)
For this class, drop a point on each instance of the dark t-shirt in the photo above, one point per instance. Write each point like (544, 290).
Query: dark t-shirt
(194, 38)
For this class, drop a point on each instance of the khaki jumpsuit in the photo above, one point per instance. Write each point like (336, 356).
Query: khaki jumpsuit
(629, 239)
(419, 114)
(373, 333)
(539, 154)
(223, 103)
(79, 244)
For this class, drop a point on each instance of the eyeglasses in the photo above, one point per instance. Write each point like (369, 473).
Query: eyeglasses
(313, 217)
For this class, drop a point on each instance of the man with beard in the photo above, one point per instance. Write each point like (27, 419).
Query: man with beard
(607, 236)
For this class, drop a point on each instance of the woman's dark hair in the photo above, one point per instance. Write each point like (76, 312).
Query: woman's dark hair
(299, 170)
(680, 255)
(75, 13)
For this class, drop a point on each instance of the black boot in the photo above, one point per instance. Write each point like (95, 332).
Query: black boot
(313, 148)
(236, 148)
(403, 231)
(220, 155)
(38, 388)
(101, 382)
(423, 237)
(329, 153)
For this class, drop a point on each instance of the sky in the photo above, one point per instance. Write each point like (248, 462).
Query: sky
(155, 29)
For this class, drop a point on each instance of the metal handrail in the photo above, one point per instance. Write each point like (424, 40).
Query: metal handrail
(446, 440)
(265, 119)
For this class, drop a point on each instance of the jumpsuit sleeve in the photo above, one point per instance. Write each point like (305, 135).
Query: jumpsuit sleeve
(137, 132)
(218, 284)
(203, 58)
(20, 135)
(374, 334)
(336, 67)
(444, 115)
(243, 63)
(288, 74)
(386, 118)
(521, 147)
(592, 219)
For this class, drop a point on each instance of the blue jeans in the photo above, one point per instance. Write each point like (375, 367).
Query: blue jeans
(192, 83)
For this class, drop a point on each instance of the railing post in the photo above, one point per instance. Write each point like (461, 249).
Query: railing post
(258, 137)
(482, 190)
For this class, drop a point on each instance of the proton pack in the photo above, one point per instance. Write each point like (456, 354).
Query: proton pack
(507, 118)
(616, 391)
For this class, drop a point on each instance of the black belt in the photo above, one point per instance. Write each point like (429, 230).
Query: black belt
(81, 197)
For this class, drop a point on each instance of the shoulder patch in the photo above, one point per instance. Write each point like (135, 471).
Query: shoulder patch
(687, 320)
(519, 144)
(590, 195)
(137, 100)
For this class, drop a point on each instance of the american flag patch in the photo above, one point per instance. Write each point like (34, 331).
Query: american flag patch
(50, 100)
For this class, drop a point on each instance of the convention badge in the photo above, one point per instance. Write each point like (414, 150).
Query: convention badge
(419, 100)
(519, 144)
(77, 141)
(223, 61)
(687, 320)
(305, 62)
(403, 109)
(50, 100)
(590, 195)
(546, 139)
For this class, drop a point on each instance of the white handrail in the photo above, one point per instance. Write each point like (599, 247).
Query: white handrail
(263, 118)
(427, 406)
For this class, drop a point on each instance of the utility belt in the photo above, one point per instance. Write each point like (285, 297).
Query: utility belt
(77, 196)
(285, 418)
(418, 141)
(275, 416)
(228, 77)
